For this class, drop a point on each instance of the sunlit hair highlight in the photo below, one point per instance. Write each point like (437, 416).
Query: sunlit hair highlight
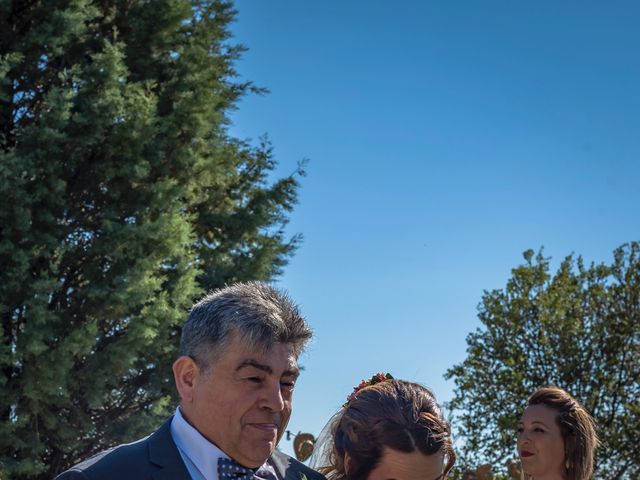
(255, 312)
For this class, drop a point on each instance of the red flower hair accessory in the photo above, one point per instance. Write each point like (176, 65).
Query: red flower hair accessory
(377, 378)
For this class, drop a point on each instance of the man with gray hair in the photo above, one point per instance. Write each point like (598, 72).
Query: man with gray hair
(235, 374)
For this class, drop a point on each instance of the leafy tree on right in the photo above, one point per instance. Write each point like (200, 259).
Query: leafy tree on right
(577, 328)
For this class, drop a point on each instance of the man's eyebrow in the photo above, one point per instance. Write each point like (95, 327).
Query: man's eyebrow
(255, 364)
(293, 371)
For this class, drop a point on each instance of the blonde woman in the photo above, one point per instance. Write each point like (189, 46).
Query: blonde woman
(556, 437)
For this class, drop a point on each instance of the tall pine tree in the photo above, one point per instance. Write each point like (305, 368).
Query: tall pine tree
(122, 198)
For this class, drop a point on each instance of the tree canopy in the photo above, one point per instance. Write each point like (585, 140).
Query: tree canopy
(577, 328)
(124, 198)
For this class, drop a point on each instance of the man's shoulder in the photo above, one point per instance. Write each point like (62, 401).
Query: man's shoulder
(123, 459)
(130, 460)
(293, 469)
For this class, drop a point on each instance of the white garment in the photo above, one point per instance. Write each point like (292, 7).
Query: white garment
(198, 454)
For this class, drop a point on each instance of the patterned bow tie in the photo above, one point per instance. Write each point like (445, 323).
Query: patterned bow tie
(230, 470)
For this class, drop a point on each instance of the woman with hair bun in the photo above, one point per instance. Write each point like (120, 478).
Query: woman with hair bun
(556, 437)
(387, 429)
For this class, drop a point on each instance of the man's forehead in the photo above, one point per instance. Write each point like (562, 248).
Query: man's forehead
(239, 342)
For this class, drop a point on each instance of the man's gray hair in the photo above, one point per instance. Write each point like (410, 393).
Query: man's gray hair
(259, 314)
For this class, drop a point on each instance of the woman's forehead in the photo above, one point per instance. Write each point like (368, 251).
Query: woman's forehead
(539, 413)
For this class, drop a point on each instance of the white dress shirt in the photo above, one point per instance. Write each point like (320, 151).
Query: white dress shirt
(199, 455)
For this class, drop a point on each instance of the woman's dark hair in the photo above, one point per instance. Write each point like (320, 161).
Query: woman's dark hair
(577, 429)
(397, 414)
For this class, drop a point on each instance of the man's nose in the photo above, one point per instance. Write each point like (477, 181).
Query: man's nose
(273, 399)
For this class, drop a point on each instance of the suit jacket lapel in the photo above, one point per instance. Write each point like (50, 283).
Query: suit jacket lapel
(281, 464)
(164, 453)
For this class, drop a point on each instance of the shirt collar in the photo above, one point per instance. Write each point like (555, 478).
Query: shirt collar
(202, 453)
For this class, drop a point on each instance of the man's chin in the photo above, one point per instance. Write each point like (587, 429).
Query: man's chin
(258, 455)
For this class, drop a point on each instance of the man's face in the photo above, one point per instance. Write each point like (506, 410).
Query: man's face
(242, 403)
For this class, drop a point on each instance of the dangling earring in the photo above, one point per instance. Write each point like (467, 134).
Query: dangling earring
(567, 464)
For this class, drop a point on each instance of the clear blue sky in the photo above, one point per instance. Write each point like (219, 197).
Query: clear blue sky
(444, 139)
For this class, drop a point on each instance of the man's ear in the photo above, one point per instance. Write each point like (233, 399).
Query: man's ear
(185, 373)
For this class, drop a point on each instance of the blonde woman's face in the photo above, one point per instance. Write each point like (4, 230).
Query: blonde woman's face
(540, 443)
(398, 465)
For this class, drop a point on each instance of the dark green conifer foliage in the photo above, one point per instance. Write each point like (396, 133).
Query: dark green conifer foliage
(122, 199)
(578, 329)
